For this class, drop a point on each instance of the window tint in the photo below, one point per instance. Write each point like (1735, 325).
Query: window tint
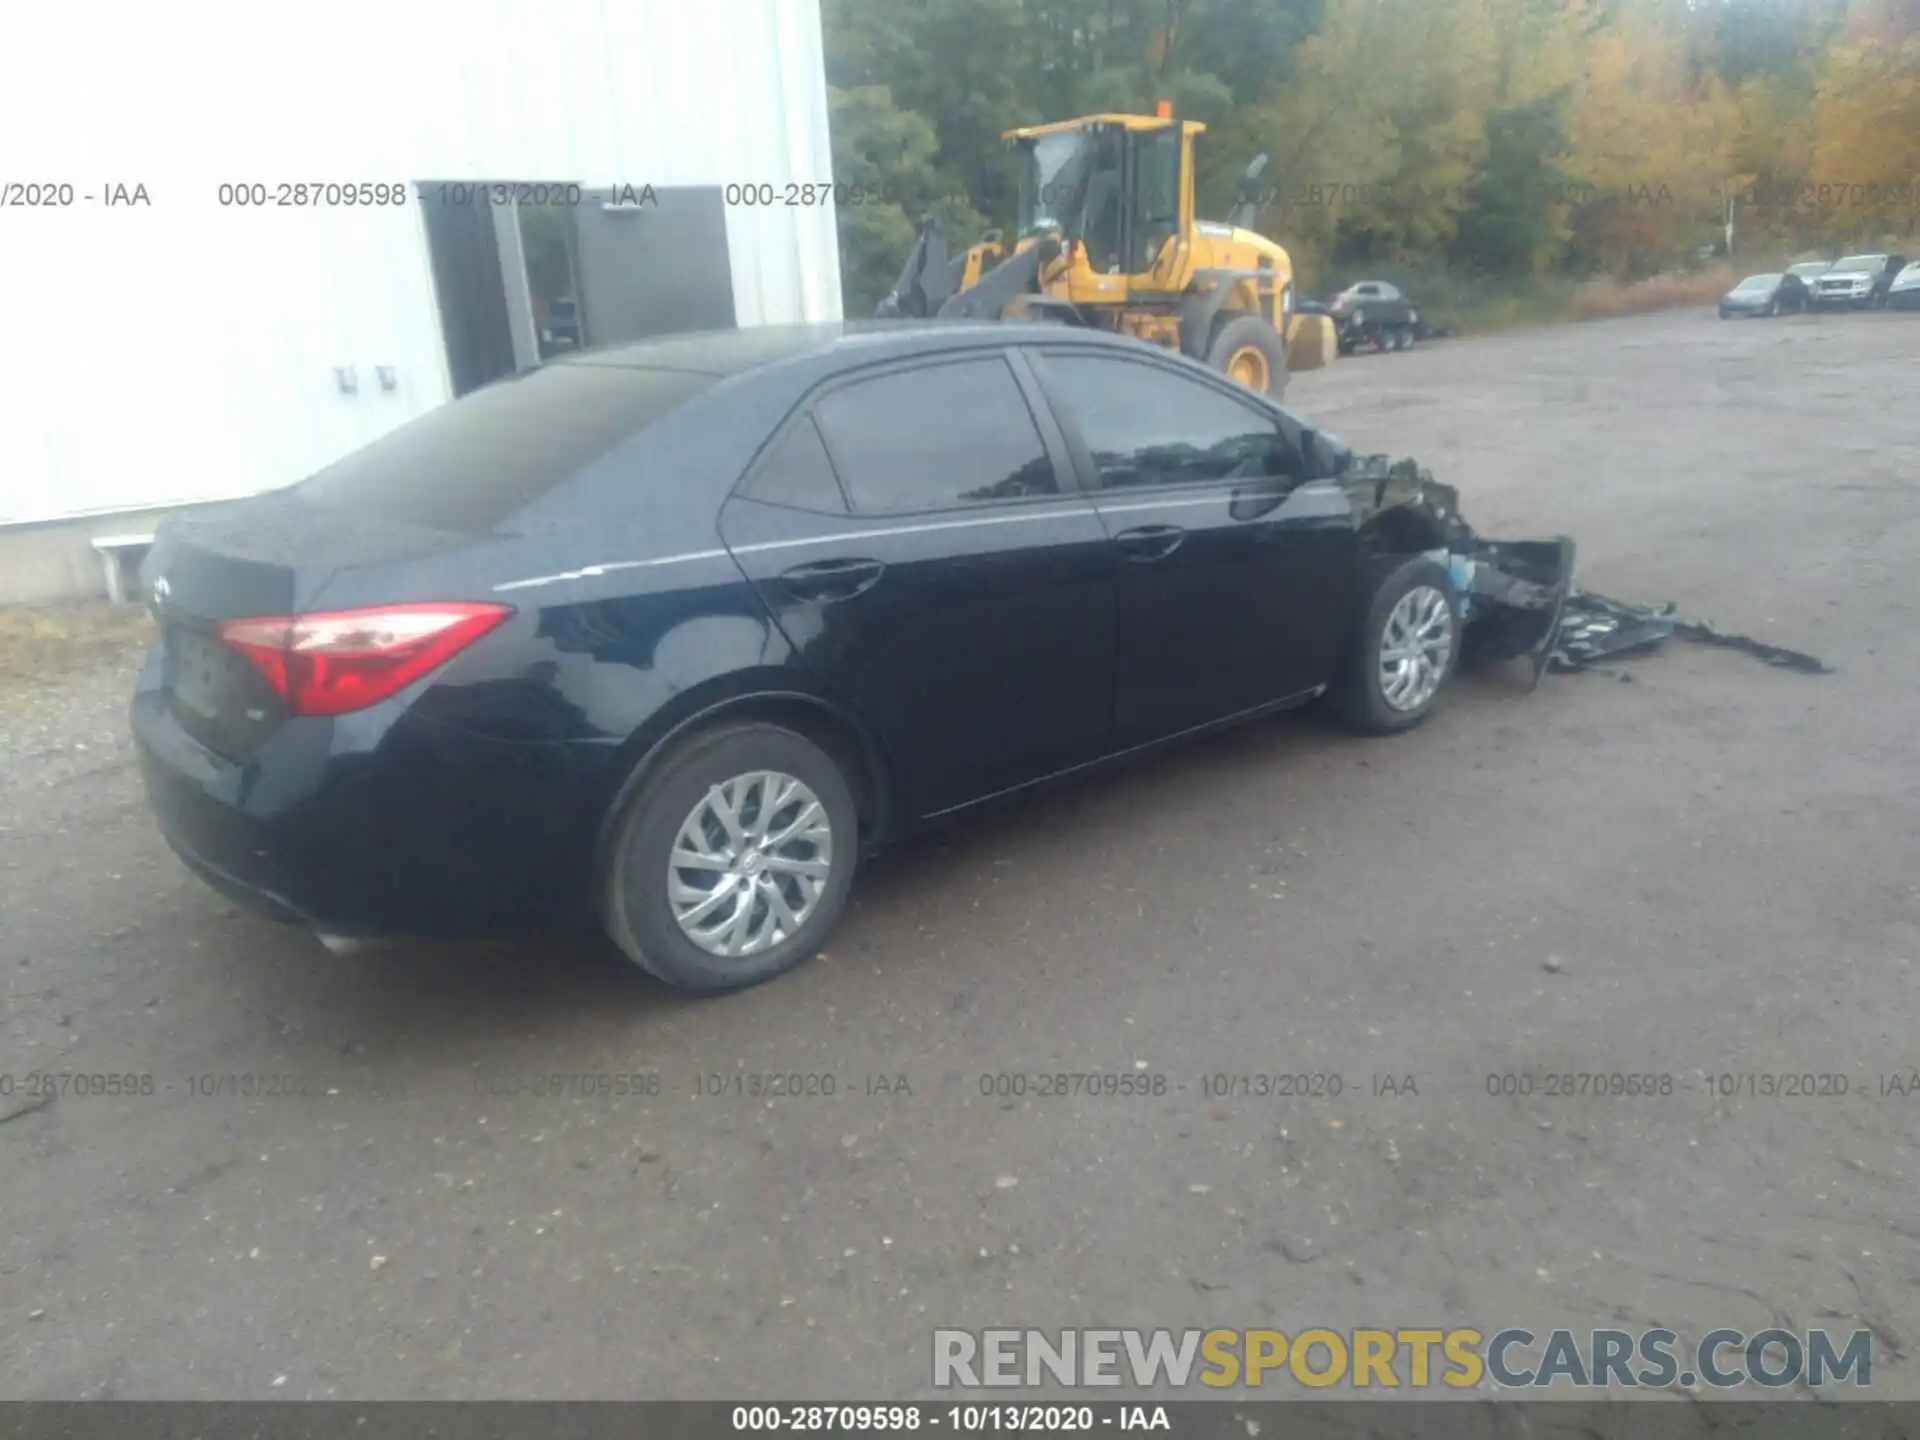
(934, 437)
(1149, 426)
(469, 465)
(796, 472)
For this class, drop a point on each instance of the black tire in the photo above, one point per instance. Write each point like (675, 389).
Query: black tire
(1356, 695)
(1256, 331)
(634, 905)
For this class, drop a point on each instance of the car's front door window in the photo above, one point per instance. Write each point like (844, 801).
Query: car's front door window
(1149, 425)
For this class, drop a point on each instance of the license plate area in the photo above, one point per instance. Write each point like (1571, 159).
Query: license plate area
(198, 673)
(217, 697)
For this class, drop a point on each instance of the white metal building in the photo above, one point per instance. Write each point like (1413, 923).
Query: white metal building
(187, 325)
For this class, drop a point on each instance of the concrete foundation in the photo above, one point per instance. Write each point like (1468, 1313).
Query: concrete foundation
(55, 560)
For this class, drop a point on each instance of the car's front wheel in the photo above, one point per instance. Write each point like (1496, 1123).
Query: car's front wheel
(731, 862)
(1403, 646)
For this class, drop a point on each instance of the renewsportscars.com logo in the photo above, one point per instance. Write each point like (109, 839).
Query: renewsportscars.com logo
(1416, 1359)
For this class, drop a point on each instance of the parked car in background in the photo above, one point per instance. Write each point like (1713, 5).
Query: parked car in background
(1904, 292)
(1765, 295)
(1857, 282)
(669, 635)
(1372, 312)
(1808, 271)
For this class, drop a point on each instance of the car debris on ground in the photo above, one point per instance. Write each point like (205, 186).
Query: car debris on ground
(1518, 599)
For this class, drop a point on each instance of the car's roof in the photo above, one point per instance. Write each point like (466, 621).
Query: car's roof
(734, 352)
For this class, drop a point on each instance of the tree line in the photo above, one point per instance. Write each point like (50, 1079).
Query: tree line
(1511, 139)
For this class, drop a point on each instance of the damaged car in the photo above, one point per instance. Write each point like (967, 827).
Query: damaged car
(667, 637)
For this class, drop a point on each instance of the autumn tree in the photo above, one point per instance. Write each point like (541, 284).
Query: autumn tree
(1867, 126)
(1519, 138)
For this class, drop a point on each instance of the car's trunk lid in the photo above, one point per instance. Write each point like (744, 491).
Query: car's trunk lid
(268, 556)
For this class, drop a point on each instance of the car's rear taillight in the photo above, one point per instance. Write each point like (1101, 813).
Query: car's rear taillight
(345, 660)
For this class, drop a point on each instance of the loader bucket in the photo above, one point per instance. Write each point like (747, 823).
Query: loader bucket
(1311, 342)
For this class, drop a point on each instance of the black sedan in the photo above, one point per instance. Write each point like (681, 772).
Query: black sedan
(1765, 295)
(668, 636)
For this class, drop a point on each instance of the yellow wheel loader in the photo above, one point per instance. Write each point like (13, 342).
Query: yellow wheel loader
(1106, 237)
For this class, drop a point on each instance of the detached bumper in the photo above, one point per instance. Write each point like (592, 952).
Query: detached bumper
(1518, 597)
(1516, 594)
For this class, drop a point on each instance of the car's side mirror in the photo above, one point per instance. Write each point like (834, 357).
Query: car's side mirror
(1286, 460)
(1325, 456)
(1280, 471)
(1258, 500)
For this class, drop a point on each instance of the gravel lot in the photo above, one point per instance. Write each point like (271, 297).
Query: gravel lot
(1709, 870)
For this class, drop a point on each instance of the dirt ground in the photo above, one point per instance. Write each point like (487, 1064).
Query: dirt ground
(44, 643)
(1707, 872)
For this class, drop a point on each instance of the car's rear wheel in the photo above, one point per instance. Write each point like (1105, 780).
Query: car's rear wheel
(732, 861)
(1403, 646)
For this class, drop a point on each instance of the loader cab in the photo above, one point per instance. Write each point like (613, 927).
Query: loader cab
(1116, 189)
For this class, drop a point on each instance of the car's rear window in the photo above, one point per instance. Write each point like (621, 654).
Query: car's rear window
(467, 466)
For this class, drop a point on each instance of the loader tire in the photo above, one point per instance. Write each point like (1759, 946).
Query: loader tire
(1249, 350)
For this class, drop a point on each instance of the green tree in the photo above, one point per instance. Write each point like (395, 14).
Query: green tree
(1507, 226)
(885, 158)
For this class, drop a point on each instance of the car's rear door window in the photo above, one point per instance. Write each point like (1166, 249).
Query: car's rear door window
(1147, 425)
(935, 436)
(467, 466)
(796, 472)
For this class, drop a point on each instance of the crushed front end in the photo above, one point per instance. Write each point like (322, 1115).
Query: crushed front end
(1517, 597)
(1511, 592)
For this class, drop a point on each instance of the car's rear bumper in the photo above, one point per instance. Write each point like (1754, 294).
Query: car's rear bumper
(257, 899)
(1904, 300)
(394, 827)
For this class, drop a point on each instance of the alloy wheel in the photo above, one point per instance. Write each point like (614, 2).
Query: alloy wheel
(749, 865)
(1415, 646)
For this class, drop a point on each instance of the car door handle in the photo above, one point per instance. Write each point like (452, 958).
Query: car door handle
(832, 579)
(1150, 542)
